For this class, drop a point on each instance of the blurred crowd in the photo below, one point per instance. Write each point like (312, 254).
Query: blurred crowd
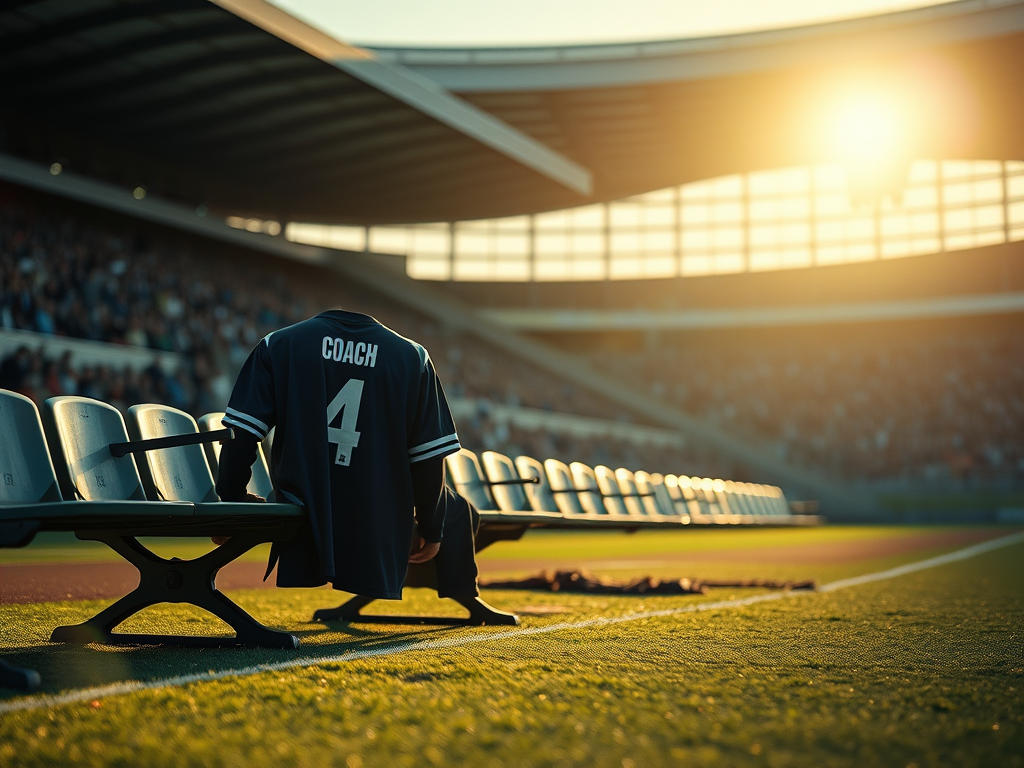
(945, 408)
(63, 276)
(911, 408)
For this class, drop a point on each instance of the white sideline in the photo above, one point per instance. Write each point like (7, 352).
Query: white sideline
(132, 686)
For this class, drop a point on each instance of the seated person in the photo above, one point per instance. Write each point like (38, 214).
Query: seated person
(361, 431)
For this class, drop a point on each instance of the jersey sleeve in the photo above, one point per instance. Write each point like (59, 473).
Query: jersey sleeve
(433, 432)
(251, 406)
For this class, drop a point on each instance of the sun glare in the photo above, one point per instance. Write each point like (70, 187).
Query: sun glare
(868, 129)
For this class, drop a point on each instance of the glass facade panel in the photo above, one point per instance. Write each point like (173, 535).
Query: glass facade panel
(390, 240)
(1016, 213)
(430, 241)
(626, 214)
(698, 265)
(425, 268)
(727, 263)
(587, 244)
(696, 214)
(784, 218)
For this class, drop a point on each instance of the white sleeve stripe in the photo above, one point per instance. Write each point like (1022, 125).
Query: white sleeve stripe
(453, 441)
(252, 420)
(444, 450)
(433, 443)
(230, 422)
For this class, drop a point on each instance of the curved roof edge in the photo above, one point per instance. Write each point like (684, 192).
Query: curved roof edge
(596, 66)
(412, 89)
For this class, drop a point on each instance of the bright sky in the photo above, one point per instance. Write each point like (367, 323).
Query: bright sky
(473, 23)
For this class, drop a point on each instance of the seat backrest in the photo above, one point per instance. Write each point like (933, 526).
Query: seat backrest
(563, 488)
(171, 474)
(608, 485)
(707, 488)
(737, 498)
(585, 482)
(79, 431)
(721, 498)
(675, 493)
(776, 501)
(654, 494)
(758, 497)
(689, 487)
(26, 470)
(752, 499)
(498, 467)
(539, 494)
(464, 471)
(260, 482)
(635, 503)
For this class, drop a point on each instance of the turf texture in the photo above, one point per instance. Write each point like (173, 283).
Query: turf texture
(923, 670)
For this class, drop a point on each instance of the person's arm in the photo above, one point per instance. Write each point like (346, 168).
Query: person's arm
(236, 460)
(427, 482)
(432, 438)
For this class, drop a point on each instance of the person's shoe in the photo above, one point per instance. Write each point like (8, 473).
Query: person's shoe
(483, 614)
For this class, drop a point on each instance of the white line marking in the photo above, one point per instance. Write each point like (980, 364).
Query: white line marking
(951, 557)
(133, 686)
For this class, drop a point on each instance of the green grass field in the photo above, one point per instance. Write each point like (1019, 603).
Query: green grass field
(925, 669)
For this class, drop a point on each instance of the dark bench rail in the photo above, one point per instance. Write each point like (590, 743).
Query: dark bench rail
(117, 450)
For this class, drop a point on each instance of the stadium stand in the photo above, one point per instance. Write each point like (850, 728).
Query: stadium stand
(898, 408)
(863, 407)
(65, 278)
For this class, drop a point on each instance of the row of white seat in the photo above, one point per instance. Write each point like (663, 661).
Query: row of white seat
(181, 480)
(546, 493)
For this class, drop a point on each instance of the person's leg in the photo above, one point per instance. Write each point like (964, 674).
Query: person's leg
(455, 563)
(452, 572)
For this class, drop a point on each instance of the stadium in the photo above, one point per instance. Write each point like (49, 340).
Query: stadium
(731, 327)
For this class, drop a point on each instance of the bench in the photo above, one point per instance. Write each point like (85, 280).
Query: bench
(75, 469)
(525, 492)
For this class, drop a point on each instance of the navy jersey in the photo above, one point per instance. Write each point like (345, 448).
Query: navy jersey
(354, 405)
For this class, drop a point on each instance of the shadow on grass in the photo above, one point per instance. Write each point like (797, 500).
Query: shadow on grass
(65, 666)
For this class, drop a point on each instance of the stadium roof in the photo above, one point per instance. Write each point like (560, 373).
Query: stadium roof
(241, 105)
(650, 115)
(252, 111)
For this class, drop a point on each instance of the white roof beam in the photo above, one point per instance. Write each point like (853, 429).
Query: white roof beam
(416, 91)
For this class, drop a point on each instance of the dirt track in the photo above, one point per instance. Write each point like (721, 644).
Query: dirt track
(34, 583)
(803, 554)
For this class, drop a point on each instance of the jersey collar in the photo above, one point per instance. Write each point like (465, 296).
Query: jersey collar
(344, 314)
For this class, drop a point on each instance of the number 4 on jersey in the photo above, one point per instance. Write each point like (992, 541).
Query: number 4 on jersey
(346, 402)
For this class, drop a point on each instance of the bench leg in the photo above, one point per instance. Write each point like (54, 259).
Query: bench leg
(175, 581)
(347, 611)
(15, 677)
(480, 614)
